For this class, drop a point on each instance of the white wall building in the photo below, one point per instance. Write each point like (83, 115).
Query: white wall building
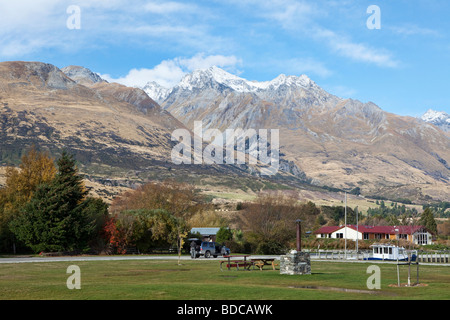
(416, 234)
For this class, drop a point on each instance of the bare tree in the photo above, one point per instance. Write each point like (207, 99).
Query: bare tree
(270, 220)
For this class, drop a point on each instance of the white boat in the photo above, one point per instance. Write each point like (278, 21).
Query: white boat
(390, 252)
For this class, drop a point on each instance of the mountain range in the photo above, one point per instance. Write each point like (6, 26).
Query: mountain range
(122, 135)
(337, 142)
(118, 134)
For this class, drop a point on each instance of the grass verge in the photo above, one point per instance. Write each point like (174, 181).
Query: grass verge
(202, 279)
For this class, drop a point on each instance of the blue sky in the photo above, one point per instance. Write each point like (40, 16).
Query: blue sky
(403, 67)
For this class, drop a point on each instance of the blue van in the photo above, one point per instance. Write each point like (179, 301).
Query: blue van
(208, 249)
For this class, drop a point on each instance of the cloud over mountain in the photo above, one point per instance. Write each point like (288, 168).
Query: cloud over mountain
(169, 72)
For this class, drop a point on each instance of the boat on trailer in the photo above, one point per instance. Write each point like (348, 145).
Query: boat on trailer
(389, 252)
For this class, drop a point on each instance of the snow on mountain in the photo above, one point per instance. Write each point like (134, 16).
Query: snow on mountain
(200, 78)
(290, 81)
(214, 77)
(439, 118)
(156, 91)
(435, 116)
(331, 140)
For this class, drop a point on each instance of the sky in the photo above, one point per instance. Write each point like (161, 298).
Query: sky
(395, 53)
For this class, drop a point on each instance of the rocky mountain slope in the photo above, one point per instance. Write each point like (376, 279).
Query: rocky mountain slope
(337, 142)
(40, 104)
(122, 136)
(82, 75)
(119, 135)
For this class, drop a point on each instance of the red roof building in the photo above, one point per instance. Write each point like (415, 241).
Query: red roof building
(416, 234)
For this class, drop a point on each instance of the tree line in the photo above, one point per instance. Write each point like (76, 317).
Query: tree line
(45, 207)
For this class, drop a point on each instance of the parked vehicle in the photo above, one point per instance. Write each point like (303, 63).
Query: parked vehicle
(207, 249)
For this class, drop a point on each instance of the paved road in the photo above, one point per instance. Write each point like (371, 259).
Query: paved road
(166, 257)
(110, 258)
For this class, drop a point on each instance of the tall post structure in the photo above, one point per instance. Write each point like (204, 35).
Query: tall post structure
(345, 227)
(296, 262)
(357, 233)
(397, 232)
(299, 235)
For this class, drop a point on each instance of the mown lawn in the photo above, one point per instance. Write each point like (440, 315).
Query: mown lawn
(202, 279)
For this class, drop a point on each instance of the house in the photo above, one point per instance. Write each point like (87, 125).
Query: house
(207, 234)
(416, 234)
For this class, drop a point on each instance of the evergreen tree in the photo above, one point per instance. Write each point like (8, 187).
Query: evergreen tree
(224, 234)
(427, 220)
(69, 183)
(40, 225)
(58, 216)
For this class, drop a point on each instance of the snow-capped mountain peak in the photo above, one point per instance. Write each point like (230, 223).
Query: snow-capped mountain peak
(202, 77)
(221, 75)
(438, 118)
(199, 78)
(156, 91)
(301, 81)
(432, 115)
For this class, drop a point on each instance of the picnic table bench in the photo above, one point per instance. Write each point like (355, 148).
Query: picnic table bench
(261, 262)
(244, 263)
(231, 262)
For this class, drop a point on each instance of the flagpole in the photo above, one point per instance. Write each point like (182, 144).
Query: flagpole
(357, 233)
(345, 227)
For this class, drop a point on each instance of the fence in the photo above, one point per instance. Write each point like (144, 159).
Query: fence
(422, 256)
(434, 257)
(336, 255)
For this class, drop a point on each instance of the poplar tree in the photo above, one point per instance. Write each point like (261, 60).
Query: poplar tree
(36, 167)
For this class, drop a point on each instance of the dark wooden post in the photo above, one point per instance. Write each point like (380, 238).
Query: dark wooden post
(299, 235)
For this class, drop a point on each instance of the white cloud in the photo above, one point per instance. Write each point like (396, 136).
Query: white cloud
(363, 53)
(308, 66)
(26, 14)
(199, 61)
(412, 30)
(342, 91)
(16, 47)
(169, 72)
(290, 14)
(303, 19)
(24, 25)
(355, 51)
(29, 26)
(167, 7)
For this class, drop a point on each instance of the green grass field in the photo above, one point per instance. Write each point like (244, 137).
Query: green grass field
(203, 279)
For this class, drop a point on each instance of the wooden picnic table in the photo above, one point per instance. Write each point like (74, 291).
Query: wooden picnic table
(261, 262)
(232, 262)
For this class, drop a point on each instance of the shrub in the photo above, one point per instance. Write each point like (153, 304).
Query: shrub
(223, 235)
(270, 247)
